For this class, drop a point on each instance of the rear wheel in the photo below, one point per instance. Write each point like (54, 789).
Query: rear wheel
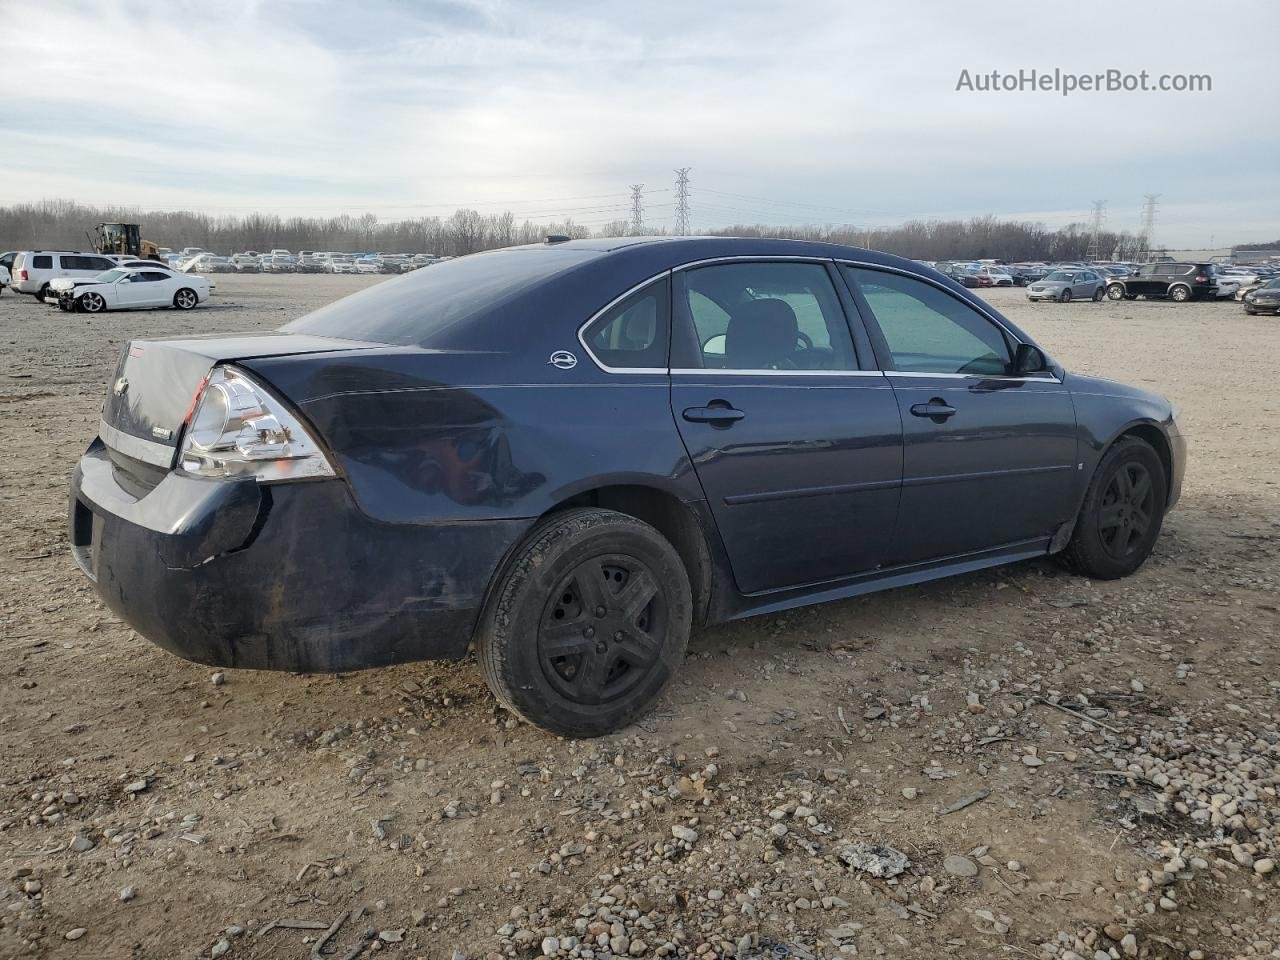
(588, 623)
(185, 299)
(1122, 512)
(1180, 294)
(1065, 295)
(42, 292)
(91, 303)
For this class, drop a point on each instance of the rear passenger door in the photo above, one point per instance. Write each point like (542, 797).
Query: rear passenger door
(988, 457)
(797, 444)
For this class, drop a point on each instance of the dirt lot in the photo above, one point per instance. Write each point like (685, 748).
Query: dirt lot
(147, 810)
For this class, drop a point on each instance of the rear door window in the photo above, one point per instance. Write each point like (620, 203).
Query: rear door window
(760, 315)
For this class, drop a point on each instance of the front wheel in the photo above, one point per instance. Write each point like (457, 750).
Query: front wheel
(1122, 512)
(1065, 296)
(1115, 291)
(588, 623)
(1099, 294)
(91, 303)
(185, 299)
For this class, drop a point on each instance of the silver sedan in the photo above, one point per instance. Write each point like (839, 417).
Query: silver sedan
(1067, 285)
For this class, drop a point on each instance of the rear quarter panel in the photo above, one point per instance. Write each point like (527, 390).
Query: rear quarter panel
(428, 436)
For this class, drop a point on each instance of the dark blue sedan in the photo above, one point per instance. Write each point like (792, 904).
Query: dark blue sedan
(571, 453)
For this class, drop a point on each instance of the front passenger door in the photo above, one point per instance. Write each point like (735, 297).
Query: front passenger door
(989, 458)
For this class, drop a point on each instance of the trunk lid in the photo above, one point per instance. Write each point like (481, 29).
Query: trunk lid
(156, 383)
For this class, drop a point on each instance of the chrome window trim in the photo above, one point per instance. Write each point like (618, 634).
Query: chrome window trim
(719, 371)
(758, 257)
(765, 258)
(605, 309)
(148, 451)
(920, 374)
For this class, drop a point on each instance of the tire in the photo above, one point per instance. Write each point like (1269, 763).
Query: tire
(1179, 293)
(1099, 294)
(91, 303)
(598, 683)
(1122, 512)
(1065, 296)
(1115, 291)
(185, 299)
(42, 292)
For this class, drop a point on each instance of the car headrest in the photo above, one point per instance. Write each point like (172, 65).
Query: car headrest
(762, 334)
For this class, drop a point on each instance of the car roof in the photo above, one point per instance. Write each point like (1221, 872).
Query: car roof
(570, 278)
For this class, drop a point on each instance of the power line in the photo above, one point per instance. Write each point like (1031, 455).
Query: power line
(637, 209)
(681, 225)
(798, 204)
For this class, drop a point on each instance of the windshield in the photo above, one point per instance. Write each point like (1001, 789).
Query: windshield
(418, 307)
(110, 276)
(1060, 276)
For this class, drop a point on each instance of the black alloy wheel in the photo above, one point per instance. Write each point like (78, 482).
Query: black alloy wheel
(1122, 513)
(1126, 512)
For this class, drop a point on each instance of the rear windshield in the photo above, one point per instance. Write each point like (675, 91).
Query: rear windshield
(419, 307)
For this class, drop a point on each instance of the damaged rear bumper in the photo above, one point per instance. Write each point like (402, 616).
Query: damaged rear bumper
(293, 576)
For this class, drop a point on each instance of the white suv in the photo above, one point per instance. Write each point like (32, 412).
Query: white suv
(33, 269)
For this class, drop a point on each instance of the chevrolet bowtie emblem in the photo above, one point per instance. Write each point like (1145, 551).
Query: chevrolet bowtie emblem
(121, 386)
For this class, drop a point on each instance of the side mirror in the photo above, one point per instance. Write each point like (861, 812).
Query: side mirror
(1028, 359)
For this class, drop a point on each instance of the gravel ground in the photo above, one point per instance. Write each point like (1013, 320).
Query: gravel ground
(1017, 763)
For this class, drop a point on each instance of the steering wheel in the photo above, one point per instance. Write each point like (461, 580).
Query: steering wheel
(805, 341)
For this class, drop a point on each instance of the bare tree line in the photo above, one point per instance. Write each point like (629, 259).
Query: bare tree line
(976, 239)
(62, 224)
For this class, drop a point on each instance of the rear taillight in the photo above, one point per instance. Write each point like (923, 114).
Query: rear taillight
(1201, 278)
(236, 428)
(22, 275)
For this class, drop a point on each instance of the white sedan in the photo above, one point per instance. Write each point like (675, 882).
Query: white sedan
(130, 288)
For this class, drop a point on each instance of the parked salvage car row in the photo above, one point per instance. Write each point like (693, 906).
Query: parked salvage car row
(93, 283)
(306, 261)
(1178, 281)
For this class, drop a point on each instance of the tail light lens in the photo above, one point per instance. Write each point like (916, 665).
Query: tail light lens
(1201, 278)
(23, 275)
(237, 428)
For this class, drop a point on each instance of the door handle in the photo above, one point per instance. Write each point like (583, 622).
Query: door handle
(936, 410)
(714, 413)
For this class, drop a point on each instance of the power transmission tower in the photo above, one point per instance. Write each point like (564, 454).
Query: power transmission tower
(1095, 231)
(681, 227)
(637, 209)
(1148, 223)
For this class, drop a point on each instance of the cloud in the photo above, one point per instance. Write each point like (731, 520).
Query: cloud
(828, 112)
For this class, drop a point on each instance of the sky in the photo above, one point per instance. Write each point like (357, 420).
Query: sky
(785, 112)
